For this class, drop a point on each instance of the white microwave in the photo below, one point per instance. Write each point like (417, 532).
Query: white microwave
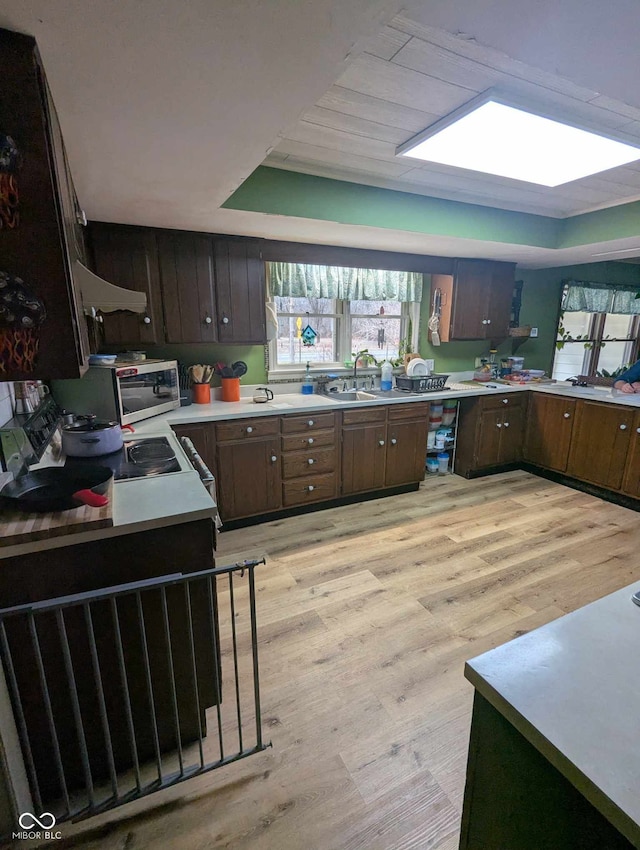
(124, 393)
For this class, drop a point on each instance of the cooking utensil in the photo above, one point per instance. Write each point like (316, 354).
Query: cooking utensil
(239, 368)
(227, 372)
(434, 320)
(57, 489)
(91, 437)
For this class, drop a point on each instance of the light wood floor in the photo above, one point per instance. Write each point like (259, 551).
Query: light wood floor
(367, 614)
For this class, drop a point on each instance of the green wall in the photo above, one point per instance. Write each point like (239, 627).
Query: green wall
(278, 192)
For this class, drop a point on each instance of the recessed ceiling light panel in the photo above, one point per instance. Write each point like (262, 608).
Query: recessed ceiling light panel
(496, 138)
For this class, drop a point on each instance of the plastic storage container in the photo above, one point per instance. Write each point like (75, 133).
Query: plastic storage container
(433, 465)
(386, 376)
(442, 459)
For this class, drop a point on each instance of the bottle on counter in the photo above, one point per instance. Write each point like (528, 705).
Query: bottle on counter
(386, 376)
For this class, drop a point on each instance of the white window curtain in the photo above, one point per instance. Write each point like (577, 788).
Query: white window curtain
(298, 280)
(586, 297)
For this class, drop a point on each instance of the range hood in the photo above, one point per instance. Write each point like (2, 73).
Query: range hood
(97, 294)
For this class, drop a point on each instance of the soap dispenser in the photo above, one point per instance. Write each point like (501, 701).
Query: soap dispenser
(307, 384)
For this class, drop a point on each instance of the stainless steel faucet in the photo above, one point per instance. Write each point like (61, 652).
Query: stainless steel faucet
(355, 367)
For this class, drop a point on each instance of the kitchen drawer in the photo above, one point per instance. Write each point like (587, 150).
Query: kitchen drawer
(370, 414)
(412, 410)
(241, 429)
(312, 461)
(297, 442)
(307, 422)
(503, 402)
(313, 488)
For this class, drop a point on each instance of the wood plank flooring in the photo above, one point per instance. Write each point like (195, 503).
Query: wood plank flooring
(367, 614)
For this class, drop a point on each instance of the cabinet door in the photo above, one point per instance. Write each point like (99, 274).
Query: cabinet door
(471, 287)
(240, 291)
(203, 438)
(127, 257)
(487, 449)
(406, 452)
(631, 482)
(600, 441)
(511, 434)
(364, 450)
(249, 481)
(549, 428)
(186, 279)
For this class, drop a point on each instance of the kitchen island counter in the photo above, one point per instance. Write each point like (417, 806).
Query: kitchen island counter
(569, 691)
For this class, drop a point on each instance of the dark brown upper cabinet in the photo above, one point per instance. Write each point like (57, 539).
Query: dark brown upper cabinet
(39, 232)
(476, 300)
(240, 291)
(127, 257)
(187, 283)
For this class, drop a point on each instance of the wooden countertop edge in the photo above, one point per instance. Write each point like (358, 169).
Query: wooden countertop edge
(589, 790)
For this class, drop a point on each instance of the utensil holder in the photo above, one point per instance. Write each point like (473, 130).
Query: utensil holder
(230, 389)
(202, 393)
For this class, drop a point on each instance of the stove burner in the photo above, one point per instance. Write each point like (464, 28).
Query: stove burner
(149, 451)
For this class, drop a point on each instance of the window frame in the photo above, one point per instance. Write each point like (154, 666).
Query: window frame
(410, 311)
(596, 339)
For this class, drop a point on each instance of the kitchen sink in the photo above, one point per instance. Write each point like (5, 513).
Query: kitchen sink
(370, 395)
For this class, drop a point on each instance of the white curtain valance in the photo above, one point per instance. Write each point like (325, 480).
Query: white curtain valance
(586, 297)
(299, 280)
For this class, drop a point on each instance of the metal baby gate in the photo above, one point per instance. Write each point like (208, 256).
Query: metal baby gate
(125, 691)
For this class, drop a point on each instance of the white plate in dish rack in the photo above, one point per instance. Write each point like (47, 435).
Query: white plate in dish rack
(417, 368)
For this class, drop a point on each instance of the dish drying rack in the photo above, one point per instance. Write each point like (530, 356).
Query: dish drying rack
(422, 383)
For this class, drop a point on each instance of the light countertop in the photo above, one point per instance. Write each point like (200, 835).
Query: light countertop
(572, 689)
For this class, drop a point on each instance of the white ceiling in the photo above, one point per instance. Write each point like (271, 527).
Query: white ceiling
(167, 107)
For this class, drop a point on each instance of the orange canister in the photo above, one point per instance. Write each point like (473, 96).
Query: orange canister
(230, 389)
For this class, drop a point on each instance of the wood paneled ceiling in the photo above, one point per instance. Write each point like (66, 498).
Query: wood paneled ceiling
(411, 75)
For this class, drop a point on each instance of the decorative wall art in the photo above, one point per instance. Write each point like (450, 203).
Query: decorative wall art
(21, 315)
(10, 162)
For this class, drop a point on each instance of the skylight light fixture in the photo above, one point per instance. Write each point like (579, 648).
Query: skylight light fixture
(491, 136)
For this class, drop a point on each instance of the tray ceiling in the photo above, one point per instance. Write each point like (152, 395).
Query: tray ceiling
(411, 75)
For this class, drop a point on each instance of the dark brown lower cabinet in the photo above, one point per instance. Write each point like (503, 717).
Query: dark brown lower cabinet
(631, 481)
(363, 457)
(549, 428)
(249, 480)
(405, 460)
(600, 442)
(87, 567)
(490, 432)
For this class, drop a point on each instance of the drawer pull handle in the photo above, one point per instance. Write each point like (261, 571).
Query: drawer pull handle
(147, 320)
(207, 319)
(310, 423)
(506, 424)
(393, 441)
(637, 430)
(623, 427)
(225, 320)
(310, 487)
(567, 415)
(381, 442)
(498, 424)
(273, 458)
(249, 430)
(310, 441)
(505, 401)
(310, 461)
